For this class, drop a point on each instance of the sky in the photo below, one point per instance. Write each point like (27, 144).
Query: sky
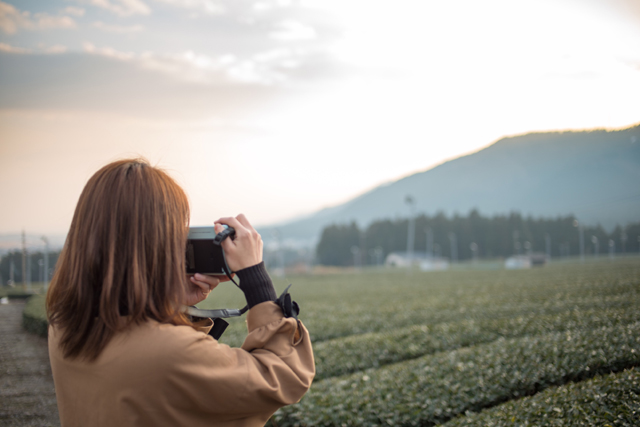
(277, 109)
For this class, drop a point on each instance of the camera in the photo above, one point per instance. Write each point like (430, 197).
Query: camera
(204, 252)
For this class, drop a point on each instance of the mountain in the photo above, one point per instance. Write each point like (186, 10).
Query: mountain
(594, 175)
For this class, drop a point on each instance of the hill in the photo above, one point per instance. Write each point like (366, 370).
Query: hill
(594, 175)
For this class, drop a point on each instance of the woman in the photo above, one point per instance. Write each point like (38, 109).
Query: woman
(122, 351)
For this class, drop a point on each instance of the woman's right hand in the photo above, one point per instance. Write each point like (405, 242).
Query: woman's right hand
(245, 250)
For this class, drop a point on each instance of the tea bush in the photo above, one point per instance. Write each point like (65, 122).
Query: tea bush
(436, 388)
(358, 352)
(608, 400)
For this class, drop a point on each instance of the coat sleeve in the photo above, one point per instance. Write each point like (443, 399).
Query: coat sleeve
(273, 368)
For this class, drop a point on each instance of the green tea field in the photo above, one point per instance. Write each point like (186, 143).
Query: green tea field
(557, 345)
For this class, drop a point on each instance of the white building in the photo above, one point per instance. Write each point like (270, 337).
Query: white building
(525, 261)
(421, 259)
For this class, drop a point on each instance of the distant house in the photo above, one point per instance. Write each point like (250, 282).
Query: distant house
(434, 264)
(421, 259)
(525, 261)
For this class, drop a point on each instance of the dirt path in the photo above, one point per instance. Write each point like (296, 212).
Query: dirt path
(27, 395)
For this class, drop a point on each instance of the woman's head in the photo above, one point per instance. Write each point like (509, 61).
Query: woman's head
(124, 255)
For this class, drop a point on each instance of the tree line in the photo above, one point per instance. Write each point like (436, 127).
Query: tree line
(461, 238)
(11, 266)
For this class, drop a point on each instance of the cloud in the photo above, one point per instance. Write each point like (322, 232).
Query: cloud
(58, 48)
(4, 47)
(208, 6)
(75, 11)
(108, 52)
(293, 31)
(121, 7)
(12, 19)
(118, 29)
(264, 68)
(105, 80)
(13, 49)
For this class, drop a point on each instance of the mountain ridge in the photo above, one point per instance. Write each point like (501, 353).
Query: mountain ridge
(593, 174)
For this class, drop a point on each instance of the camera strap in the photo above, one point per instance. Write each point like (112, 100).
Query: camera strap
(216, 313)
(289, 308)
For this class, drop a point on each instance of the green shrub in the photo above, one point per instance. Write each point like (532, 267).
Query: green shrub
(34, 316)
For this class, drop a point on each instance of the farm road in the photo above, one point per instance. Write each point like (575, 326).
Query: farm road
(27, 394)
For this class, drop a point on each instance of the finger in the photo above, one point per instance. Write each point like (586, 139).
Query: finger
(206, 283)
(201, 285)
(241, 230)
(231, 222)
(211, 281)
(244, 221)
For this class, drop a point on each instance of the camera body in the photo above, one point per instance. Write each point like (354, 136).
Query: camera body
(204, 252)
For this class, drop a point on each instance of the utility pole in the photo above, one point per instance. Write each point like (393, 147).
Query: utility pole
(429, 242)
(612, 249)
(12, 268)
(412, 229)
(474, 250)
(516, 242)
(46, 262)
(581, 236)
(279, 271)
(547, 243)
(363, 245)
(29, 272)
(355, 251)
(24, 261)
(453, 243)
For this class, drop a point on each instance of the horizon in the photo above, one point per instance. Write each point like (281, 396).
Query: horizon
(12, 239)
(280, 108)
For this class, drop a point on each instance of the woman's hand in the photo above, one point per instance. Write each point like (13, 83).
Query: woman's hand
(200, 286)
(245, 250)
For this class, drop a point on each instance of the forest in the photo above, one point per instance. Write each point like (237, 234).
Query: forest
(458, 237)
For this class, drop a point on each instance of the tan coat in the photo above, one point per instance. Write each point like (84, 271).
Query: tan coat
(164, 375)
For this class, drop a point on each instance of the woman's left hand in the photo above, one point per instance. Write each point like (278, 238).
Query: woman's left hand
(201, 286)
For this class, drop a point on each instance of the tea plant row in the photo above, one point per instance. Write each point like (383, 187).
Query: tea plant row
(436, 388)
(612, 400)
(359, 352)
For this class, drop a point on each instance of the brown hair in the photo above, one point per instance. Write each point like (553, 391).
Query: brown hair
(124, 256)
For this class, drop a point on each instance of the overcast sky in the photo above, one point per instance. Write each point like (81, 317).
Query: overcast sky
(280, 108)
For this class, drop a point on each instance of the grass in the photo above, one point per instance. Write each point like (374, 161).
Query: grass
(34, 316)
